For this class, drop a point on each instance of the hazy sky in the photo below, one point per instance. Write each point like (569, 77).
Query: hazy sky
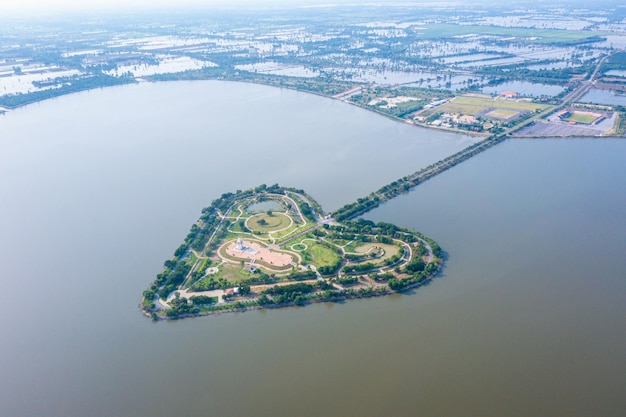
(30, 6)
(61, 5)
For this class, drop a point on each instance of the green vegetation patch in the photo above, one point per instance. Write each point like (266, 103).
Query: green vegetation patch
(232, 272)
(502, 113)
(386, 251)
(398, 102)
(268, 223)
(617, 61)
(323, 255)
(549, 36)
(474, 106)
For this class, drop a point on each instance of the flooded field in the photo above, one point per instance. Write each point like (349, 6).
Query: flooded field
(167, 65)
(23, 83)
(604, 97)
(524, 88)
(468, 58)
(276, 68)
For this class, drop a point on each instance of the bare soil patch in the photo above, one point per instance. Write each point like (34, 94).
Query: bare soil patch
(261, 253)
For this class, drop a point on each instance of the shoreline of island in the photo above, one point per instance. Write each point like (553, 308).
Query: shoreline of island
(273, 247)
(351, 295)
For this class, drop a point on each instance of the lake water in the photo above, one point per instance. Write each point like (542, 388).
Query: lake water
(524, 88)
(97, 189)
(264, 206)
(550, 66)
(604, 97)
(616, 73)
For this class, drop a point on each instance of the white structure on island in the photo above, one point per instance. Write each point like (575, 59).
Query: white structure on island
(243, 248)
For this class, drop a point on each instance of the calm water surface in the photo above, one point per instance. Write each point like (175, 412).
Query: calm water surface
(524, 88)
(97, 189)
(604, 97)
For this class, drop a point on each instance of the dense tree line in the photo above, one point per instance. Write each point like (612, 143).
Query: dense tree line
(170, 279)
(302, 275)
(211, 283)
(347, 280)
(180, 306)
(546, 76)
(399, 284)
(203, 299)
(300, 287)
(306, 211)
(359, 268)
(404, 184)
(290, 293)
(332, 268)
(416, 264)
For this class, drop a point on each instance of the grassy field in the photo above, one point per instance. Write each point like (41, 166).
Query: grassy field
(390, 250)
(302, 247)
(192, 258)
(230, 272)
(502, 113)
(347, 246)
(387, 95)
(287, 233)
(238, 226)
(265, 223)
(322, 256)
(474, 105)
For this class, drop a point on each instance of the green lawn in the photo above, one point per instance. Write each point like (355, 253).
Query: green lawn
(265, 223)
(322, 256)
(502, 113)
(230, 272)
(475, 105)
(390, 250)
(351, 247)
(582, 118)
(294, 229)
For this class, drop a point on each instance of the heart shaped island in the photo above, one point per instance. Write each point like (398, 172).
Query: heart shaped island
(271, 247)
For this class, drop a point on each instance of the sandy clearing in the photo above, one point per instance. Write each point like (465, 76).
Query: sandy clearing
(262, 254)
